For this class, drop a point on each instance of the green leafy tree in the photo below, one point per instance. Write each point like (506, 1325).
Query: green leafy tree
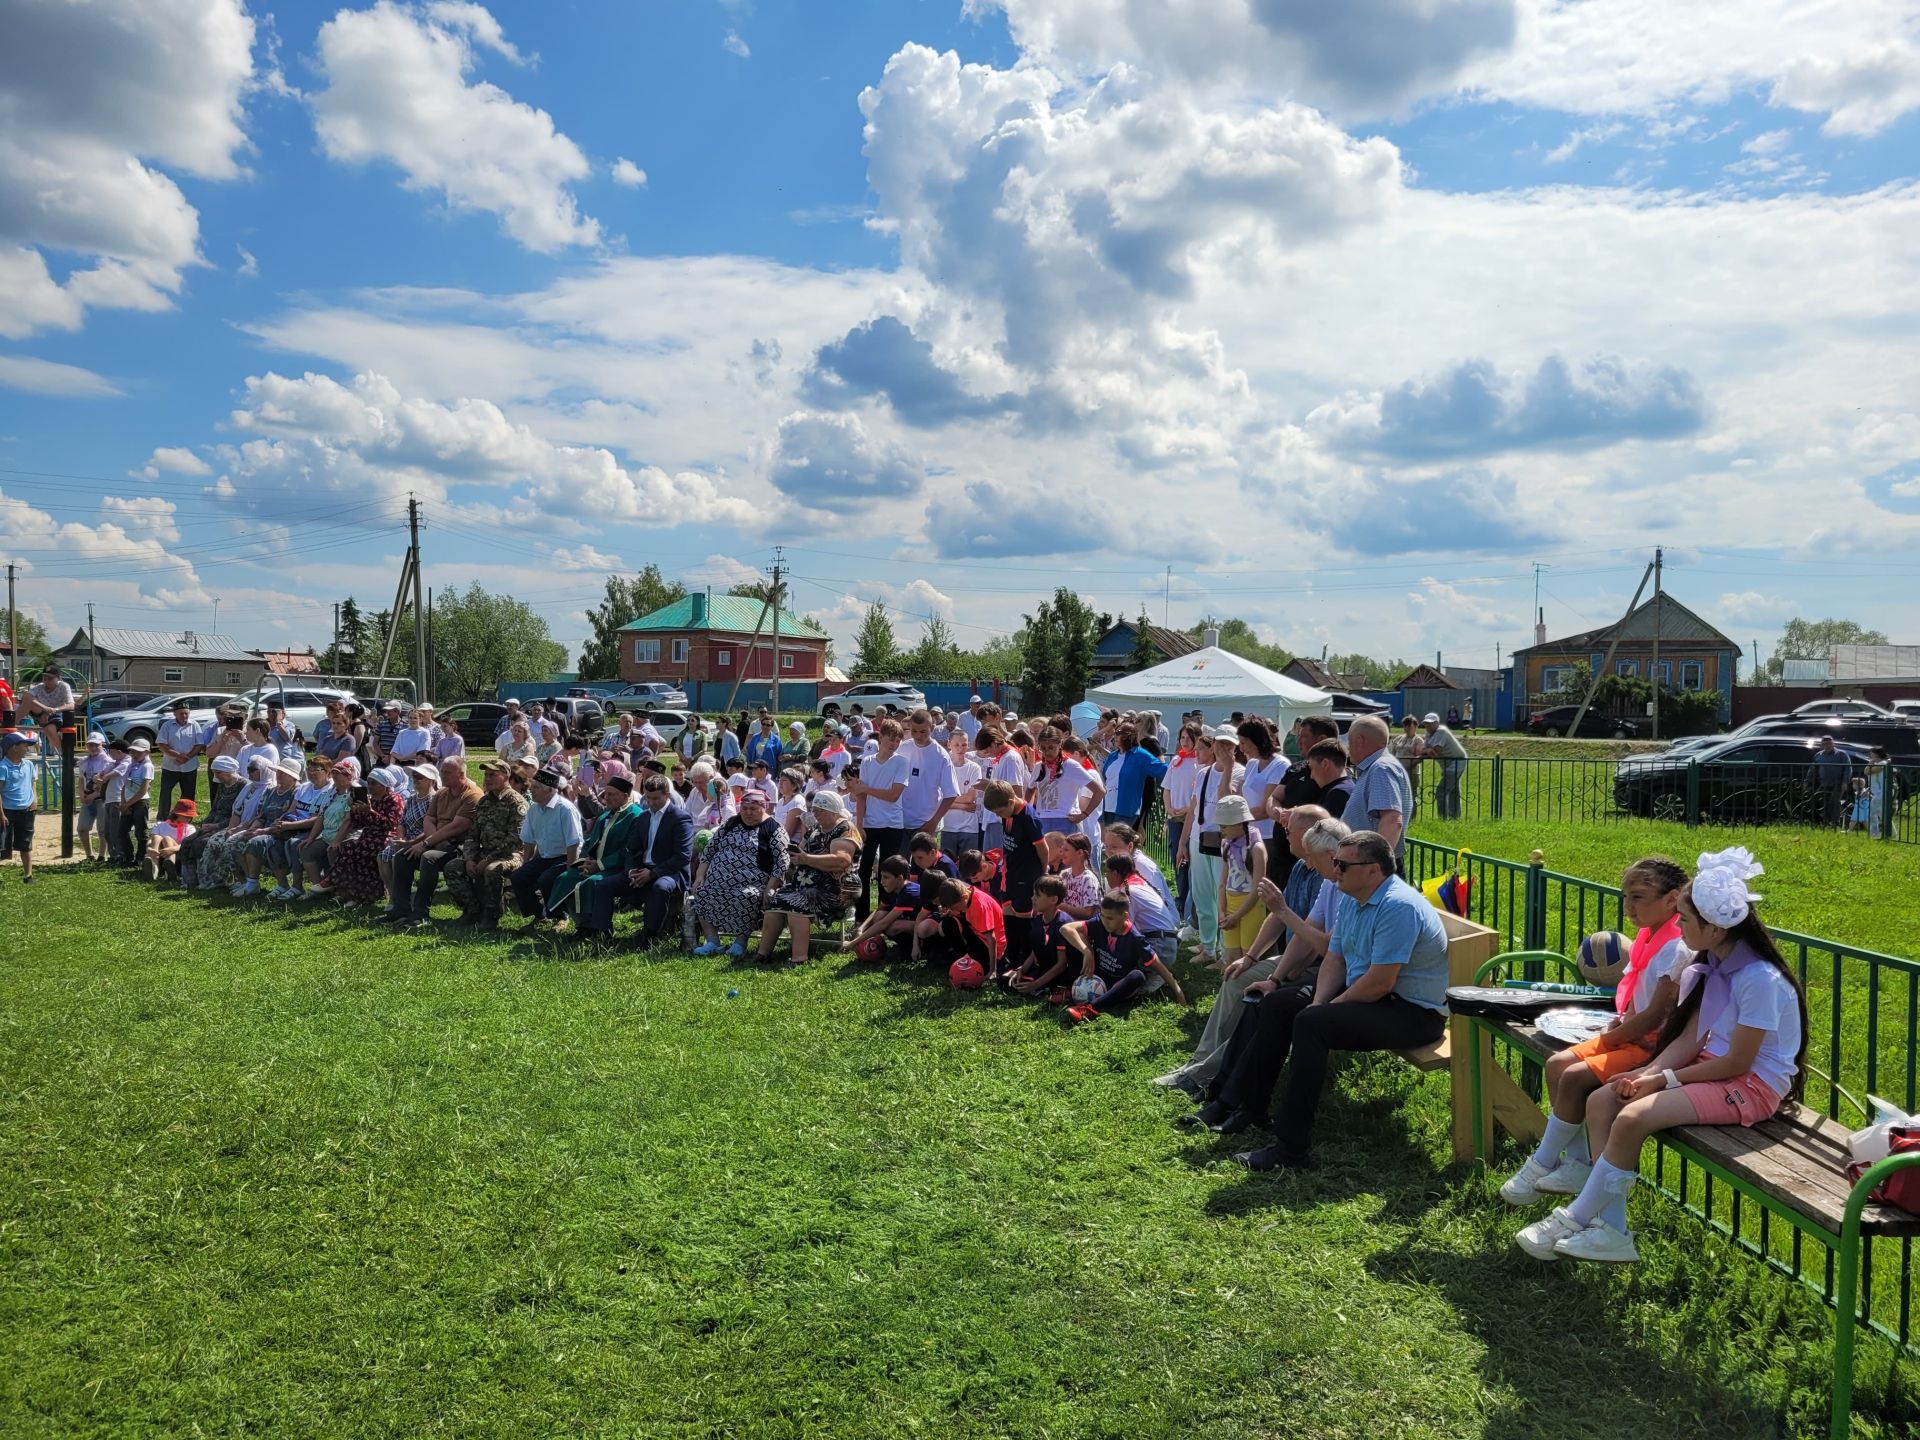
(755, 590)
(1058, 640)
(876, 654)
(34, 644)
(1376, 674)
(1812, 639)
(356, 647)
(1001, 658)
(627, 597)
(933, 658)
(1237, 637)
(1145, 653)
(480, 639)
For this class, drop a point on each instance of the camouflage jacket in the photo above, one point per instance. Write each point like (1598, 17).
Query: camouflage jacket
(496, 826)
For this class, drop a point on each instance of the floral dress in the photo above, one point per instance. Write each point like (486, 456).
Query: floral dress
(812, 891)
(353, 868)
(1083, 890)
(413, 823)
(732, 894)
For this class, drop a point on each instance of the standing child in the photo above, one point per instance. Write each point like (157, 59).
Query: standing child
(1731, 1053)
(1648, 990)
(95, 767)
(19, 771)
(135, 794)
(1243, 861)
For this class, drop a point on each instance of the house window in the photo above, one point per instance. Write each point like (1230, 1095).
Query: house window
(786, 660)
(1554, 678)
(723, 658)
(1664, 673)
(1626, 667)
(646, 652)
(113, 672)
(173, 675)
(1692, 674)
(679, 652)
(233, 678)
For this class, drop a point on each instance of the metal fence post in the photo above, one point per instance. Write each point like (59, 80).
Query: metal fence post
(1886, 802)
(1533, 927)
(1693, 792)
(1499, 779)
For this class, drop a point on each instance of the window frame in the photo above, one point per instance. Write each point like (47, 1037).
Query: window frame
(173, 674)
(723, 657)
(646, 650)
(679, 650)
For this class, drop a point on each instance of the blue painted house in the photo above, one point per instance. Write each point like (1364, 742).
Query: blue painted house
(1693, 655)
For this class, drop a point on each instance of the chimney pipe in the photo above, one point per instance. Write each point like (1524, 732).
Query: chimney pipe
(1210, 637)
(1540, 626)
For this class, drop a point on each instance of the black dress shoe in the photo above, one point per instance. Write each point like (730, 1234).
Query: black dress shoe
(1236, 1122)
(1273, 1157)
(1206, 1117)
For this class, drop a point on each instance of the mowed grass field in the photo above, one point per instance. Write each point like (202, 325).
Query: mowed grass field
(285, 1174)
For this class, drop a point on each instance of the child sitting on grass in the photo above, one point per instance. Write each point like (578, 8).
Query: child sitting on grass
(1731, 1054)
(1047, 966)
(971, 922)
(166, 838)
(899, 910)
(1112, 949)
(1644, 998)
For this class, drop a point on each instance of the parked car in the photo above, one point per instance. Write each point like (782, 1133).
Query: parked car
(1558, 720)
(1349, 707)
(673, 723)
(1906, 709)
(105, 702)
(1846, 707)
(644, 692)
(306, 703)
(143, 721)
(581, 716)
(870, 695)
(478, 722)
(1896, 737)
(1758, 778)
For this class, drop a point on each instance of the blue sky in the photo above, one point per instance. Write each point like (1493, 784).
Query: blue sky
(1347, 316)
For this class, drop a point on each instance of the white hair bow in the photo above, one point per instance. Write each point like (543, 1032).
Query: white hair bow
(1720, 890)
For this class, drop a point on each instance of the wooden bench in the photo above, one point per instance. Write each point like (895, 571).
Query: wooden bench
(1793, 1166)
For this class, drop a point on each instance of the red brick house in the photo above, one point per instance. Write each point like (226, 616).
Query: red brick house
(710, 639)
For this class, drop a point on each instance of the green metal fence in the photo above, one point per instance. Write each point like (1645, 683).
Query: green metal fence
(1863, 1018)
(1884, 803)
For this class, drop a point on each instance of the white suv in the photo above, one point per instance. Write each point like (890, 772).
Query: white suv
(870, 695)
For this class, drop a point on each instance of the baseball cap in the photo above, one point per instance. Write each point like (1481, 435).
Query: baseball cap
(1432, 717)
(143, 745)
(496, 767)
(1227, 732)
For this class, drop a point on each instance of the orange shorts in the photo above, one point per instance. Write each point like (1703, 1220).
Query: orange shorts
(1611, 1063)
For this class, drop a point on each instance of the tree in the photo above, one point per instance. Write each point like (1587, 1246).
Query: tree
(933, 658)
(33, 637)
(1145, 654)
(1237, 638)
(876, 655)
(480, 639)
(1001, 658)
(1376, 674)
(356, 647)
(1812, 639)
(626, 598)
(755, 590)
(1058, 640)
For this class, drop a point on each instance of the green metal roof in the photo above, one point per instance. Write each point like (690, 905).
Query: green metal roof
(730, 614)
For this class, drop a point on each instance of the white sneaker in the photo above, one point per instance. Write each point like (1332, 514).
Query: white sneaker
(1171, 1080)
(1187, 932)
(1569, 1177)
(1524, 1188)
(1540, 1238)
(1598, 1241)
(238, 890)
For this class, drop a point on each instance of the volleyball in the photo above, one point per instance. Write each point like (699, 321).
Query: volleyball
(1603, 957)
(872, 949)
(967, 973)
(1089, 989)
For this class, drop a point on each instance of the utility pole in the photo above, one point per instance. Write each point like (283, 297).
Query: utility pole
(1756, 661)
(1166, 600)
(779, 558)
(1655, 664)
(1606, 663)
(216, 616)
(334, 654)
(93, 645)
(13, 629)
(419, 610)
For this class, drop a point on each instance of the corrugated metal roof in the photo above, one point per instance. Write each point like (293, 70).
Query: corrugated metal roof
(732, 614)
(1874, 662)
(1678, 626)
(164, 645)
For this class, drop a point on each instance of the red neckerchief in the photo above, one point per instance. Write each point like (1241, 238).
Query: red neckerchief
(1114, 938)
(1646, 945)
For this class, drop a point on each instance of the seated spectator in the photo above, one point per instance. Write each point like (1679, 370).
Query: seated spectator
(49, 703)
(325, 829)
(659, 858)
(353, 858)
(166, 838)
(272, 842)
(745, 858)
(1072, 860)
(218, 862)
(1152, 916)
(424, 781)
(1383, 986)
(550, 839)
(590, 886)
(1289, 944)
(817, 890)
(902, 904)
(437, 850)
(225, 774)
(490, 852)
(1050, 961)
(972, 923)
(1118, 839)
(1111, 949)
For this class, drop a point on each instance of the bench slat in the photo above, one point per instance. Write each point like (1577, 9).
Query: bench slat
(1796, 1160)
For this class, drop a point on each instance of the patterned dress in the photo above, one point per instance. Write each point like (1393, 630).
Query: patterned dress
(413, 821)
(812, 891)
(732, 894)
(354, 865)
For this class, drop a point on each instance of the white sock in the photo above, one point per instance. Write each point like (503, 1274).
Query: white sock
(1559, 1136)
(1577, 1147)
(1604, 1196)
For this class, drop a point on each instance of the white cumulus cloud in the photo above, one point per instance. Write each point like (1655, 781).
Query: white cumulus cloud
(173, 460)
(50, 377)
(626, 173)
(399, 89)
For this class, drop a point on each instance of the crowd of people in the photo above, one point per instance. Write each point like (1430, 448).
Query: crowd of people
(1007, 850)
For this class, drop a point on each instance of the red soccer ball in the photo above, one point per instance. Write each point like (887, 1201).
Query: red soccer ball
(872, 949)
(967, 973)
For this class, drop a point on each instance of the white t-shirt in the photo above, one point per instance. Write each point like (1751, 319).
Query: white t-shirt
(1670, 960)
(1260, 777)
(116, 781)
(837, 759)
(1764, 1000)
(969, 725)
(967, 779)
(881, 774)
(1214, 783)
(1150, 912)
(1176, 787)
(1012, 768)
(412, 741)
(1054, 795)
(929, 781)
(249, 753)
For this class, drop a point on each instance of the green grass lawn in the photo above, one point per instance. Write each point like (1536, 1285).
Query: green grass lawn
(263, 1173)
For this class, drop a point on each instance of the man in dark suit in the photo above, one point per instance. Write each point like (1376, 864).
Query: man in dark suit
(659, 856)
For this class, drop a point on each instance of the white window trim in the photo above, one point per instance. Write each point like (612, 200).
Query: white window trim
(646, 652)
(680, 652)
(786, 660)
(173, 675)
(723, 657)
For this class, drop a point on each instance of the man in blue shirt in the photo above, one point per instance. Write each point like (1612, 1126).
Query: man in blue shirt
(1383, 986)
(1127, 772)
(1382, 796)
(550, 839)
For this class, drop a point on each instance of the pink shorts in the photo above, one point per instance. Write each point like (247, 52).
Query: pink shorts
(1743, 1100)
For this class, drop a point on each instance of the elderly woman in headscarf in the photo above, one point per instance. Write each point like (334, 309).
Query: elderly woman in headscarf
(425, 780)
(219, 862)
(353, 870)
(745, 858)
(817, 894)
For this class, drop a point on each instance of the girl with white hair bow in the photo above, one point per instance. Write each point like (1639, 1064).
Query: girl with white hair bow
(1732, 1053)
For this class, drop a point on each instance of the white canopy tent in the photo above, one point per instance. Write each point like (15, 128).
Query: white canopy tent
(1216, 682)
